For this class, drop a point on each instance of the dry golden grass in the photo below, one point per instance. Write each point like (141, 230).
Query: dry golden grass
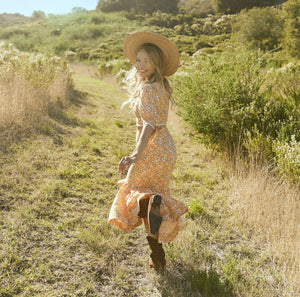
(31, 86)
(86, 70)
(268, 211)
(24, 109)
(21, 103)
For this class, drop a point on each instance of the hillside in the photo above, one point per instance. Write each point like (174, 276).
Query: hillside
(8, 20)
(91, 35)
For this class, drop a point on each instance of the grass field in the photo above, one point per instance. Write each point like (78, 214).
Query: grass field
(56, 188)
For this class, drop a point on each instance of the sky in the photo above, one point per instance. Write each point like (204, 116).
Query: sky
(26, 7)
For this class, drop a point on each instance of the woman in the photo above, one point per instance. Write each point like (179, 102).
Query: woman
(144, 193)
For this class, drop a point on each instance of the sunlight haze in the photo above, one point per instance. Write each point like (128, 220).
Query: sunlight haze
(26, 7)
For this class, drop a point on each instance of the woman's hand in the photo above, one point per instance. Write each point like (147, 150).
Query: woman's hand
(140, 146)
(126, 162)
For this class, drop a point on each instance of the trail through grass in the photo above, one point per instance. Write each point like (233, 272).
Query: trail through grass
(56, 189)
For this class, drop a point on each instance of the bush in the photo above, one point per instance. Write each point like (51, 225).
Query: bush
(229, 100)
(38, 14)
(258, 28)
(291, 13)
(223, 24)
(202, 43)
(288, 158)
(97, 19)
(142, 6)
(197, 7)
(168, 20)
(113, 67)
(185, 44)
(31, 85)
(233, 6)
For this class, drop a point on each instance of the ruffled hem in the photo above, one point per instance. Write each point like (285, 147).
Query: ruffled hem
(125, 209)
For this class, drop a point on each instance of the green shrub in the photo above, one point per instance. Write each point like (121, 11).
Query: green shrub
(228, 98)
(167, 20)
(38, 14)
(233, 6)
(39, 70)
(197, 7)
(97, 19)
(143, 6)
(288, 158)
(223, 25)
(185, 44)
(202, 42)
(60, 46)
(291, 13)
(8, 33)
(25, 43)
(113, 66)
(258, 28)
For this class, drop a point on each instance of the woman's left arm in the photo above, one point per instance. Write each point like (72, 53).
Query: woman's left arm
(140, 146)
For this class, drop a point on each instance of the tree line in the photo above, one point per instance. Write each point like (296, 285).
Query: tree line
(171, 6)
(145, 6)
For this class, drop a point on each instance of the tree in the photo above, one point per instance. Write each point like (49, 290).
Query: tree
(78, 9)
(234, 6)
(258, 27)
(141, 6)
(291, 12)
(114, 5)
(38, 14)
(196, 7)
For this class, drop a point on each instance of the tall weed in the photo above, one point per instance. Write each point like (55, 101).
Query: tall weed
(30, 85)
(268, 212)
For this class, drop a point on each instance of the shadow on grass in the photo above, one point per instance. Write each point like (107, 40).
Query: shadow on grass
(58, 112)
(53, 123)
(188, 282)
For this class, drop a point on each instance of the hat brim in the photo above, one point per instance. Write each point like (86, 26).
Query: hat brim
(170, 52)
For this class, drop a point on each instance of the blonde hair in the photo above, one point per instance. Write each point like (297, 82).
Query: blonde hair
(135, 83)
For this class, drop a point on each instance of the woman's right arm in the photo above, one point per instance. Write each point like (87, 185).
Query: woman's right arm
(144, 137)
(138, 133)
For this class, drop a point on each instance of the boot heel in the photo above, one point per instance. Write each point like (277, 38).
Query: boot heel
(156, 200)
(154, 215)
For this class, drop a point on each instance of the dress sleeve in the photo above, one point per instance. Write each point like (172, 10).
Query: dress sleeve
(149, 107)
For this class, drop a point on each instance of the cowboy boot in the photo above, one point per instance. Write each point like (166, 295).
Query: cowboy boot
(154, 215)
(157, 258)
(144, 202)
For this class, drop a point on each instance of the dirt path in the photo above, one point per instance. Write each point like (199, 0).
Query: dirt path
(130, 275)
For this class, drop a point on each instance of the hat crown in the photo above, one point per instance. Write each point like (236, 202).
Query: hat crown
(169, 50)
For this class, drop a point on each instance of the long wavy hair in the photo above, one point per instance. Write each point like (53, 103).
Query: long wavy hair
(135, 83)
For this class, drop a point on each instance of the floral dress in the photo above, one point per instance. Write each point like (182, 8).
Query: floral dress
(151, 173)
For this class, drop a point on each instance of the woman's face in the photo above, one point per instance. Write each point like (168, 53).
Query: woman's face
(143, 64)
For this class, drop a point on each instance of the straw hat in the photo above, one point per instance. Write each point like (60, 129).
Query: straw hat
(171, 55)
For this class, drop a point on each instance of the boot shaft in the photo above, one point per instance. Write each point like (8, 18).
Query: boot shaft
(157, 254)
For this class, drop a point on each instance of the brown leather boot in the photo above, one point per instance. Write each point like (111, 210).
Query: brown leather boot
(157, 258)
(154, 215)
